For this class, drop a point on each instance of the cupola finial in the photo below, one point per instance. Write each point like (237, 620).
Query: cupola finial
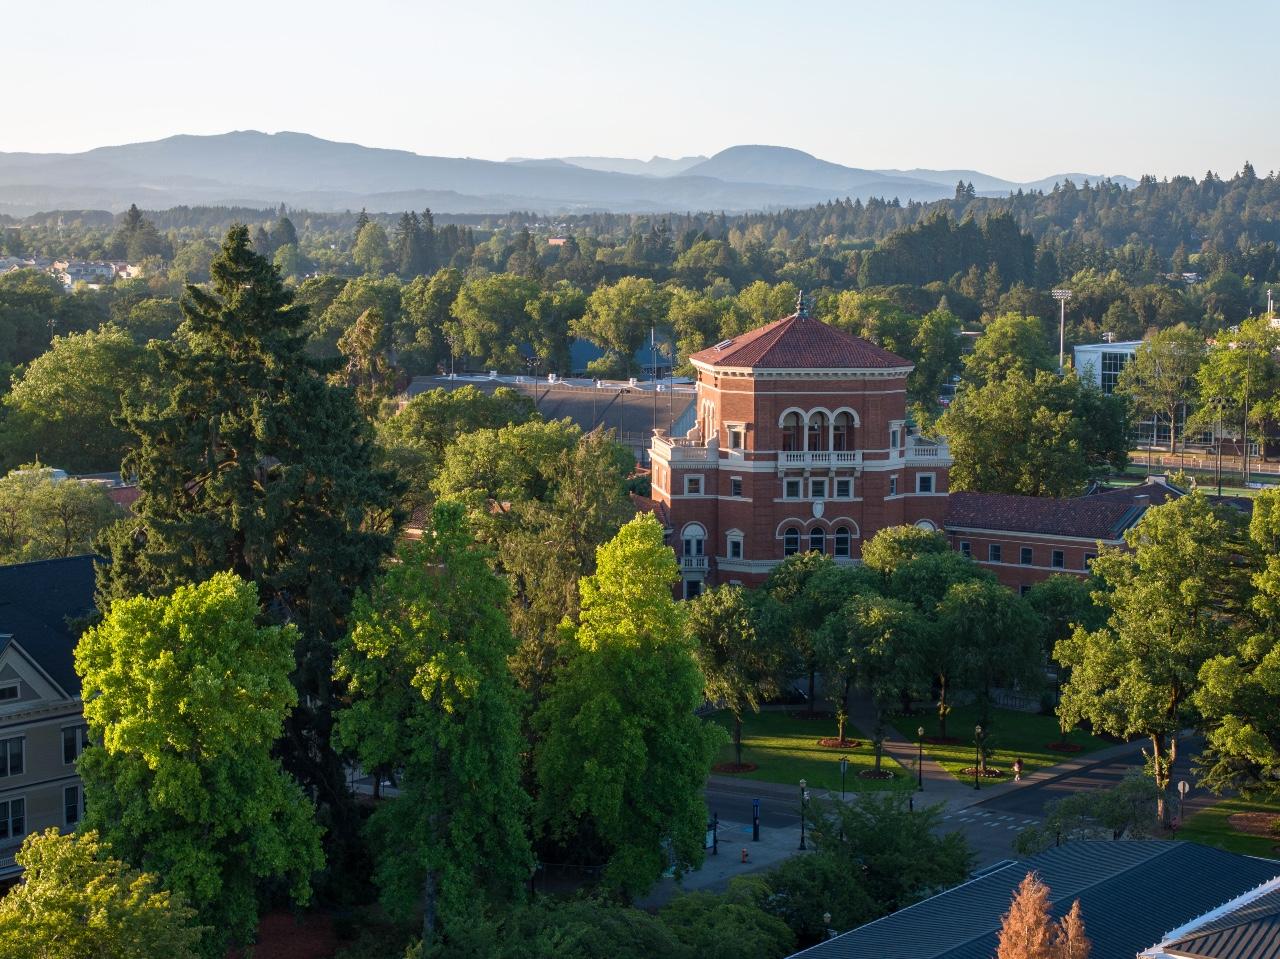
(802, 306)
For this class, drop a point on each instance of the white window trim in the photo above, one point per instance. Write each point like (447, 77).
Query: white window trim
(79, 805)
(22, 751)
(694, 477)
(12, 684)
(26, 817)
(933, 484)
(799, 487)
(826, 488)
(738, 480)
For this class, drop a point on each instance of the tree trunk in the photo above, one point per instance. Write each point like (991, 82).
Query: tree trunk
(943, 708)
(429, 908)
(1161, 764)
(737, 738)
(879, 736)
(812, 671)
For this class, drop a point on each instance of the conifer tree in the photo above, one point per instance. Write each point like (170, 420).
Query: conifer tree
(253, 464)
(1027, 931)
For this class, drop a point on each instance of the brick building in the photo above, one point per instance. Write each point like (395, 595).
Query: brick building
(1025, 539)
(800, 442)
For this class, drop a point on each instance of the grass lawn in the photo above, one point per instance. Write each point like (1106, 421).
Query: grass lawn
(786, 750)
(1013, 734)
(1211, 827)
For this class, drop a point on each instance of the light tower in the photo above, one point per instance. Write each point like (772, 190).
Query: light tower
(1061, 296)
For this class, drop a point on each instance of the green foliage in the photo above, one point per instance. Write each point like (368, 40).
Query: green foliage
(65, 407)
(75, 901)
(252, 463)
(370, 372)
(1064, 602)
(1046, 436)
(372, 251)
(619, 317)
(1125, 811)
(44, 518)
(1010, 342)
(1162, 373)
(426, 303)
(187, 696)
(732, 926)
(622, 757)
(893, 546)
(431, 696)
(490, 320)
(1172, 596)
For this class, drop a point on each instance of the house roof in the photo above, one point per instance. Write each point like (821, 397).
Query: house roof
(645, 504)
(1249, 931)
(798, 342)
(36, 602)
(1105, 515)
(1131, 894)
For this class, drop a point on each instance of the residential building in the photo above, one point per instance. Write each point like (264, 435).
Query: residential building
(1131, 894)
(42, 731)
(799, 440)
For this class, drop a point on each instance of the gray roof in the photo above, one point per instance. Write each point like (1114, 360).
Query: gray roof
(36, 602)
(1250, 932)
(1131, 895)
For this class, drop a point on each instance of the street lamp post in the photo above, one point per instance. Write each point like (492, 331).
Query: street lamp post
(920, 758)
(1182, 796)
(844, 768)
(804, 801)
(1062, 296)
(827, 931)
(977, 753)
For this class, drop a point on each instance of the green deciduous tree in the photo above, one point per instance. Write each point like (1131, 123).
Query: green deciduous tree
(45, 518)
(894, 546)
(740, 664)
(1161, 377)
(1123, 811)
(1010, 342)
(619, 317)
(1172, 596)
(372, 251)
(489, 320)
(426, 666)
(76, 901)
(369, 372)
(1046, 436)
(186, 696)
(622, 757)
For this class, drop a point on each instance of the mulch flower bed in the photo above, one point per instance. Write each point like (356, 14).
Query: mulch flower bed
(734, 768)
(834, 743)
(989, 773)
(1062, 746)
(1255, 823)
(872, 774)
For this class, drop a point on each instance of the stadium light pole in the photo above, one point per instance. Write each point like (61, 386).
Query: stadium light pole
(1062, 296)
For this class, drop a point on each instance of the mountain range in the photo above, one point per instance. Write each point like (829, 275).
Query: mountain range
(250, 168)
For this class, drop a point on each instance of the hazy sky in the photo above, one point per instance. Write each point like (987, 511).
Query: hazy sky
(1016, 88)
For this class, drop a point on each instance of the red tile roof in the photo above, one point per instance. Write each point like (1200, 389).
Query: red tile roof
(645, 504)
(797, 342)
(1102, 516)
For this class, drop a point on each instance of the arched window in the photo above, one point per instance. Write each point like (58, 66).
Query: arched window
(790, 541)
(844, 540)
(792, 432)
(842, 432)
(817, 540)
(818, 425)
(695, 540)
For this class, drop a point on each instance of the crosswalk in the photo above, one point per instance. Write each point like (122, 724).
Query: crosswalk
(989, 820)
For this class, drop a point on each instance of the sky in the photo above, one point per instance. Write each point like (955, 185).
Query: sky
(1018, 89)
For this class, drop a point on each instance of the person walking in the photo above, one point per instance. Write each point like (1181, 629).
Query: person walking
(1017, 770)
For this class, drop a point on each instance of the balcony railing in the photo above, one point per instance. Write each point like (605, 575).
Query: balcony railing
(8, 860)
(693, 562)
(820, 458)
(680, 448)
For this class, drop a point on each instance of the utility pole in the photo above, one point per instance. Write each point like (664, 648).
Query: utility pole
(1062, 296)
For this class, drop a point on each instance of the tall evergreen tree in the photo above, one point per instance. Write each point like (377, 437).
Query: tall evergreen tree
(254, 464)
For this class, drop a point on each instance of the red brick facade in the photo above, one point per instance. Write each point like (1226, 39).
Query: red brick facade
(801, 443)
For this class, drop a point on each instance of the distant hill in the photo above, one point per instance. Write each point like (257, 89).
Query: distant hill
(261, 169)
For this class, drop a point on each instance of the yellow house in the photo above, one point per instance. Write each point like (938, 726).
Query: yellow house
(42, 609)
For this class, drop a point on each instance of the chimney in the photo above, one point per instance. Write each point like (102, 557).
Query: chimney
(1141, 501)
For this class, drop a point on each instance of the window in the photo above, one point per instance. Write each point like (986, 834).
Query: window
(735, 486)
(693, 485)
(842, 432)
(844, 489)
(74, 739)
(13, 818)
(735, 547)
(1059, 559)
(924, 483)
(792, 435)
(9, 691)
(1024, 589)
(818, 488)
(692, 588)
(71, 808)
(817, 541)
(1024, 556)
(817, 431)
(694, 544)
(1088, 560)
(893, 439)
(791, 489)
(843, 541)
(737, 437)
(966, 550)
(993, 553)
(791, 541)
(11, 756)
(1112, 365)
(893, 486)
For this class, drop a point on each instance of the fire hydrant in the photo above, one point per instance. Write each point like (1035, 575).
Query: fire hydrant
(745, 857)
